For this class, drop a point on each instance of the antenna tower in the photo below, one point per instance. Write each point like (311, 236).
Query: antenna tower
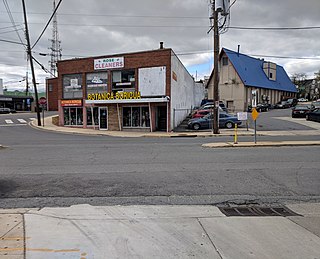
(55, 44)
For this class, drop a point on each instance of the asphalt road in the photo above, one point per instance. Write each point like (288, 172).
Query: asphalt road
(41, 168)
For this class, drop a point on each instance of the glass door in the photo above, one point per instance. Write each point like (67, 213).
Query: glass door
(103, 118)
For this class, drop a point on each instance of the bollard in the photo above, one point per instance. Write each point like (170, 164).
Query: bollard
(235, 134)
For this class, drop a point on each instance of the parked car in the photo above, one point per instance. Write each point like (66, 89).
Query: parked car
(302, 100)
(204, 110)
(200, 113)
(292, 102)
(225, 121)
(4, 110)
(262, 107)
(300, 111)
(313, 115)
(281, 105)
(315, 105)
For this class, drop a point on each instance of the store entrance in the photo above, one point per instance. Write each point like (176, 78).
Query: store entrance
(161, 118)
(103, 118)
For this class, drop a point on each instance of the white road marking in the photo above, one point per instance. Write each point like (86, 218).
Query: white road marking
(9, 121)
(22, 121)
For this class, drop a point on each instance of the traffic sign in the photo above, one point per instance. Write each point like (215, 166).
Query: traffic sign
(42, 101)
(254, 114)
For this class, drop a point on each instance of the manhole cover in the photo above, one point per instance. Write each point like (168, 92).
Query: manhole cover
(257, 211)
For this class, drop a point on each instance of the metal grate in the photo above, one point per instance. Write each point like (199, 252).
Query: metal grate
(257, 211)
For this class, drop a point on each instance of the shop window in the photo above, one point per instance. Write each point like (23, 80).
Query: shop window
(123, 80)
(136, 117)
(97, 82)
(72, 86)
(95, 111)
(72, 116)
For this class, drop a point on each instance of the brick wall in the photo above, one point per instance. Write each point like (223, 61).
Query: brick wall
(52, 95)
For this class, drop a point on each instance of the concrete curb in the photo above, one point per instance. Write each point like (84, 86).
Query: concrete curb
(262, 144)
(125, 134)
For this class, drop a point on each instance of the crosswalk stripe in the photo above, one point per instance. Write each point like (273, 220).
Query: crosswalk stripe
(9, 121)
(22, 120)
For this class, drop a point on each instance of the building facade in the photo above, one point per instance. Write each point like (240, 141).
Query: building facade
(132, 91)
(242, 76)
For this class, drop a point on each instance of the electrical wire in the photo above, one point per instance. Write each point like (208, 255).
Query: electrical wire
(54, 12)
(13, 42)
(12, 20)
(274, 28)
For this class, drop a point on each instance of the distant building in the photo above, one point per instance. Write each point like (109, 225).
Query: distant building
(240, 75)
(138, 91)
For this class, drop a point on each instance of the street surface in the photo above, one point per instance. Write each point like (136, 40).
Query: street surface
(40, 168)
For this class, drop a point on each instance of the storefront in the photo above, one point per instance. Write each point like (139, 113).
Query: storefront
(18, 103)
(130, 91)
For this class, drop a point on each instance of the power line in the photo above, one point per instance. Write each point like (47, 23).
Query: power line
(12, 20)
(274, 28)
(123, 16)
(14, 42)
(54, 12)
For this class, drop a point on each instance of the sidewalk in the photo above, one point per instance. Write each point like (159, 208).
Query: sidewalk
(223, 132)
(84, 232)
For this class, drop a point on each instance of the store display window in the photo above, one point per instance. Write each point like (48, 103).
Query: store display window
(97, 82)
(95, 112)
(72, 86)
(73, 116)
(123, 80)
(136, 117)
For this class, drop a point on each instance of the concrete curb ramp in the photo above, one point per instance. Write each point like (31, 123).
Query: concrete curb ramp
(262, 144)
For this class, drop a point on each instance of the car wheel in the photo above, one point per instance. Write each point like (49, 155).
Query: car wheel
(196, 126)
(229, 125)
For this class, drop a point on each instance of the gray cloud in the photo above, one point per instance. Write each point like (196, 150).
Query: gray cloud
(106, 27)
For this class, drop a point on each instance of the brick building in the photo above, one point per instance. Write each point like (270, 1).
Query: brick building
(131, 91)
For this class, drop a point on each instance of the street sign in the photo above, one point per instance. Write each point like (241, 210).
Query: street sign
(242, 116)
(42, 101)
(254, 114)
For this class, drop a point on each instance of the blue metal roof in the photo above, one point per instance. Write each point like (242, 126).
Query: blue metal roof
(251, 73)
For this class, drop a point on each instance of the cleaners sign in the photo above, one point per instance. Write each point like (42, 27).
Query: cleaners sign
(107, 63)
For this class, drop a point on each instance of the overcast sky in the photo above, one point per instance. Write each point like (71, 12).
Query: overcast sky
(105, 27)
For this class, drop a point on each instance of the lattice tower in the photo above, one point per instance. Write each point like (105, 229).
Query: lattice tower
(56, 51)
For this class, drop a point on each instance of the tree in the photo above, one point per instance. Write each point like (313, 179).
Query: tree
(298, 79)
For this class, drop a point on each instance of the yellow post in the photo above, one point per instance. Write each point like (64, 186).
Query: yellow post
(235, 134)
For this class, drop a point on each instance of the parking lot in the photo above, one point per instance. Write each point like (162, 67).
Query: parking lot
(274, 120)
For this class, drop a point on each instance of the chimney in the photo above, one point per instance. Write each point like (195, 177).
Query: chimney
(161, 44)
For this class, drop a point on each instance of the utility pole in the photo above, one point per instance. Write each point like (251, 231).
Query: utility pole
(216, 70)
(27, 84)
(31, 63)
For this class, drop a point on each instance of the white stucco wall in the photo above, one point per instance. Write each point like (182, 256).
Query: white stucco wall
(182, 92)
(199, 93)
(152, 81)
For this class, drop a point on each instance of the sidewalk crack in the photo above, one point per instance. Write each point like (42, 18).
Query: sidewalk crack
(211, 241)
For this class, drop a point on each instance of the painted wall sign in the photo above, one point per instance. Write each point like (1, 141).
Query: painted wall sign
(106, 63)
(71, 103)
(114, 96)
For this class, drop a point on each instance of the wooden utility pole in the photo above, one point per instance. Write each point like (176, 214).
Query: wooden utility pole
(31, 63)
(215, 71)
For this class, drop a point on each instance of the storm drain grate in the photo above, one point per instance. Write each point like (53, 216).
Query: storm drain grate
(257, 211)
